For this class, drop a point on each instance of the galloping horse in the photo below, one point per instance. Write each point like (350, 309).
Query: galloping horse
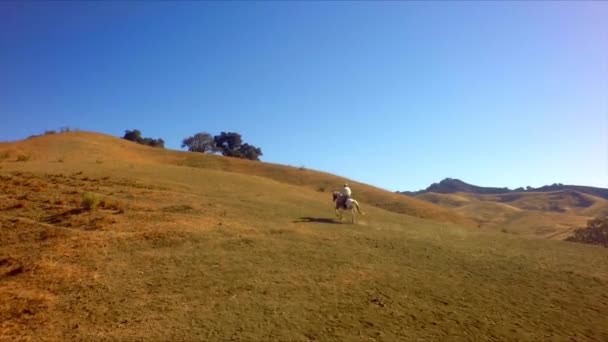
(350, 204)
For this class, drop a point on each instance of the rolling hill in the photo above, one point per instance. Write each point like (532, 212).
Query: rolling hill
(90, 147)
(185, 246)
(551, 214)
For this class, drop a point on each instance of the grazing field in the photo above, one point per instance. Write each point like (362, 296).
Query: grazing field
(105, 239)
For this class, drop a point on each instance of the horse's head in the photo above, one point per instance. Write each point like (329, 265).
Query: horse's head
(335, 195)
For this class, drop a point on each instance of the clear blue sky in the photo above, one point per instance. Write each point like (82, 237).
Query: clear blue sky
(395, 94)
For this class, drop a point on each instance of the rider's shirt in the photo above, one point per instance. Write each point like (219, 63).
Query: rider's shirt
(346, 191)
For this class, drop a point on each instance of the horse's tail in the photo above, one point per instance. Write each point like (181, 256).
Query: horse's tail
(358, 208)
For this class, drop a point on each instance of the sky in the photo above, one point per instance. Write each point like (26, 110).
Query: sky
(394, 94)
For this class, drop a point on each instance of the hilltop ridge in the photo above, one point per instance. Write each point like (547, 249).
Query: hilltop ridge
(453, 185)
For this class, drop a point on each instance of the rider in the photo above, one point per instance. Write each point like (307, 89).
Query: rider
(345, 195)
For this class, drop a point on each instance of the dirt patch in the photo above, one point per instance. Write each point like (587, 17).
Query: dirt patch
(180, 209)
(164, 239)
(22, 307)
(10, 267)
(81, 219)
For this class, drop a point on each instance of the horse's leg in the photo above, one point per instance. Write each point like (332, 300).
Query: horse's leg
(353, 212)
(358, 208)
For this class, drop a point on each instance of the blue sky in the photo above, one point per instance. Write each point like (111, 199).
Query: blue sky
(395, 94)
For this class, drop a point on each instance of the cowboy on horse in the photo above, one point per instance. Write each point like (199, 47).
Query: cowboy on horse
(345, 195)
(344, 202)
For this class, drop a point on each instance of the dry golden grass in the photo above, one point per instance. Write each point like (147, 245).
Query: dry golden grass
(565, 201)
(446, 200)
(549, 225)
(488, 213)
(87, 148)
(552, 215)
(198, 253)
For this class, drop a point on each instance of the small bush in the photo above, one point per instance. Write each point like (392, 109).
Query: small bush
(49, 132)
(321, 189)
(4, 155)
(90, 201)
(111, 204)
(23, 158)
(596, 233)
(99, 161)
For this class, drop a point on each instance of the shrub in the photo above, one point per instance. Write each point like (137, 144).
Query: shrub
(23, 158)
(90, 201)
(111, 204)
(595, 233)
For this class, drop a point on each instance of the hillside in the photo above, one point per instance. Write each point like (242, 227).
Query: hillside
(532, 214)
(539, 213)
(96, 148)
(186, 246)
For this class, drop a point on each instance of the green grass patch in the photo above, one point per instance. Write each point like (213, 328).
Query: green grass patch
(90, 201)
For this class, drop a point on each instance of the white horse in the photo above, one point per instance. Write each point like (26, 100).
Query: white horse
(350, 204)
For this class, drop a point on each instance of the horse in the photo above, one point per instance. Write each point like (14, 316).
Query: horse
(350, 204)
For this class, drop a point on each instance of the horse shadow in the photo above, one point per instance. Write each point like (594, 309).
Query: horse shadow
(317, 220)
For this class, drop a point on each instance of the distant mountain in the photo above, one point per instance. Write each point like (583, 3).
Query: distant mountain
(452, 185)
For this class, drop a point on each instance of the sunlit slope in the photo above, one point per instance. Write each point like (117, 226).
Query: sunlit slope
(187, 253)
(532, 214)
(95, 148)
(565, 201)
(446, 200)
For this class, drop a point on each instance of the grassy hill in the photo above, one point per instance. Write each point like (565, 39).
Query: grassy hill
(552, 215)
(186, 246)
(547, 212)
(89, 148)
